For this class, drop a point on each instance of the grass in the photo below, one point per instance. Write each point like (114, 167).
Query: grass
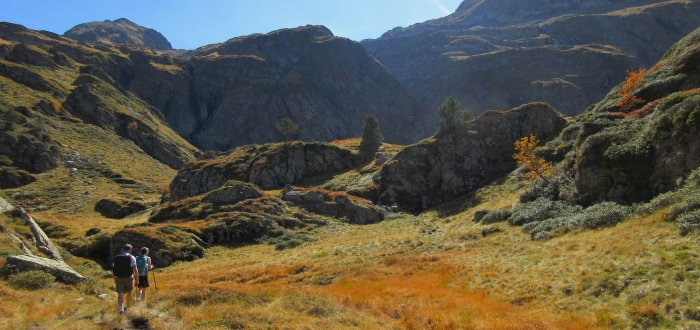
(433, 271)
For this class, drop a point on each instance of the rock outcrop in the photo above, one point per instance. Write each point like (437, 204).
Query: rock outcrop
(232, 192)
(499, 54)
(231, 94)
(43, 243)
(25, 148)
(166, 244)
(120, 31)
(632, 155)
(334, 204)
(269, 166)
(5, 206)
(59, 269)
(439, 169)
(118, 208)
(84, 93)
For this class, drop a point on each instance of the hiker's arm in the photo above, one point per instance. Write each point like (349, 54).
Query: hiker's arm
(150, 265)
(136, 274)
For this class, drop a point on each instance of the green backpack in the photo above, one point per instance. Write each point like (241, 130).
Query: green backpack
(142, 265)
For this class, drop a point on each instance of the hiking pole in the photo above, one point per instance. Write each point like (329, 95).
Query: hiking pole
(154, 280)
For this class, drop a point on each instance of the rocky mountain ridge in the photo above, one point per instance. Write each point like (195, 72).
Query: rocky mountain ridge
(119, 31)
(501, 54)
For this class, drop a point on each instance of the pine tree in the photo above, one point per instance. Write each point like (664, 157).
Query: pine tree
(371, 134)
(287, 127)
(454, 118)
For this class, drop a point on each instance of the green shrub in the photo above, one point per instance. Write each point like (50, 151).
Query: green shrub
(32, 280)
(541, 209)
(600, 215)
(689, 222)
(497, 215)
(286, 239)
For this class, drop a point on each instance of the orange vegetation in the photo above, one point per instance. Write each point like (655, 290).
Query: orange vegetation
(632, 83)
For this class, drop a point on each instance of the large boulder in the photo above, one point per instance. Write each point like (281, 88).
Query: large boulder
(166, 244)
(269, 166)
(5, 206)
(233, 192)
(334, 204)
(118, 208)
(442, 168)
(631, 155)
(60, 269)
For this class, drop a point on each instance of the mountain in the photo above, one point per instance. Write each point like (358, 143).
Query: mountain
(231, 94)
(49, 89)
(499, 54)
(120, 31)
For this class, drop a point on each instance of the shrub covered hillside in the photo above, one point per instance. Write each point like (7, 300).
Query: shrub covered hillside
(634, 152)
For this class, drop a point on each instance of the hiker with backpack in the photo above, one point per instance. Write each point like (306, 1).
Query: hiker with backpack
(125, 274)
(143, 263)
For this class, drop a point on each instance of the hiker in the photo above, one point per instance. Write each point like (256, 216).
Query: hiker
(124, 269)
(143, 263)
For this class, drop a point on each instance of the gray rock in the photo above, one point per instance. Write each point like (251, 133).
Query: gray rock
(382, 159)
(316, 196)
(5, 206)
(21, 244)
(118, 208)
(233, 192)
(293, 196)
(439, 169)
(60, 269)
(43, 243)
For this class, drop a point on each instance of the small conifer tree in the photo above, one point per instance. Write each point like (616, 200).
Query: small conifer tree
(454, 118)
(371, 134)
(287, 127)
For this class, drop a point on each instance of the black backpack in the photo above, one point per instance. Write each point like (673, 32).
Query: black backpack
(122, 266)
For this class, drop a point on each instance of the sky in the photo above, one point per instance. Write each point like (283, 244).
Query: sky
(189, 24)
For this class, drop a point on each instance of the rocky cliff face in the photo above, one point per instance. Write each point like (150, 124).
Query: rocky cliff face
(121, 31)
(232, 94)
(439, 169)
(269, 166)
(633, 155)
(498, 54)
(45, 76)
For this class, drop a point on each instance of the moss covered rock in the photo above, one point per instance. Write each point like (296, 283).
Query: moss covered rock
(439, 169)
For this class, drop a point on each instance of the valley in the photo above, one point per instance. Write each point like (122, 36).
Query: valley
(558, 189)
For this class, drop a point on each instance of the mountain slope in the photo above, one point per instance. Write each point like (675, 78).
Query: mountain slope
(47, 79)
(231, 94)
(499, 54)
(120, 31)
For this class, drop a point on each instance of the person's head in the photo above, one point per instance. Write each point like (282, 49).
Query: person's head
(144, 251)
(127, 248)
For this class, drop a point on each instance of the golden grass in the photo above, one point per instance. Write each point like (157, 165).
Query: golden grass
(434, 271)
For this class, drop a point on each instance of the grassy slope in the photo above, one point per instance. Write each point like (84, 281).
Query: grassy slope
(433, 271)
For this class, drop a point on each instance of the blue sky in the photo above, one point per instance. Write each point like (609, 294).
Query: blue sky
(190, 24)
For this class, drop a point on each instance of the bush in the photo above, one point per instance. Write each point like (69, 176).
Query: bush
(541, 209)
(600, 215)
(497, 215)
(689, 222)
(286, 239)
(32, 280)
